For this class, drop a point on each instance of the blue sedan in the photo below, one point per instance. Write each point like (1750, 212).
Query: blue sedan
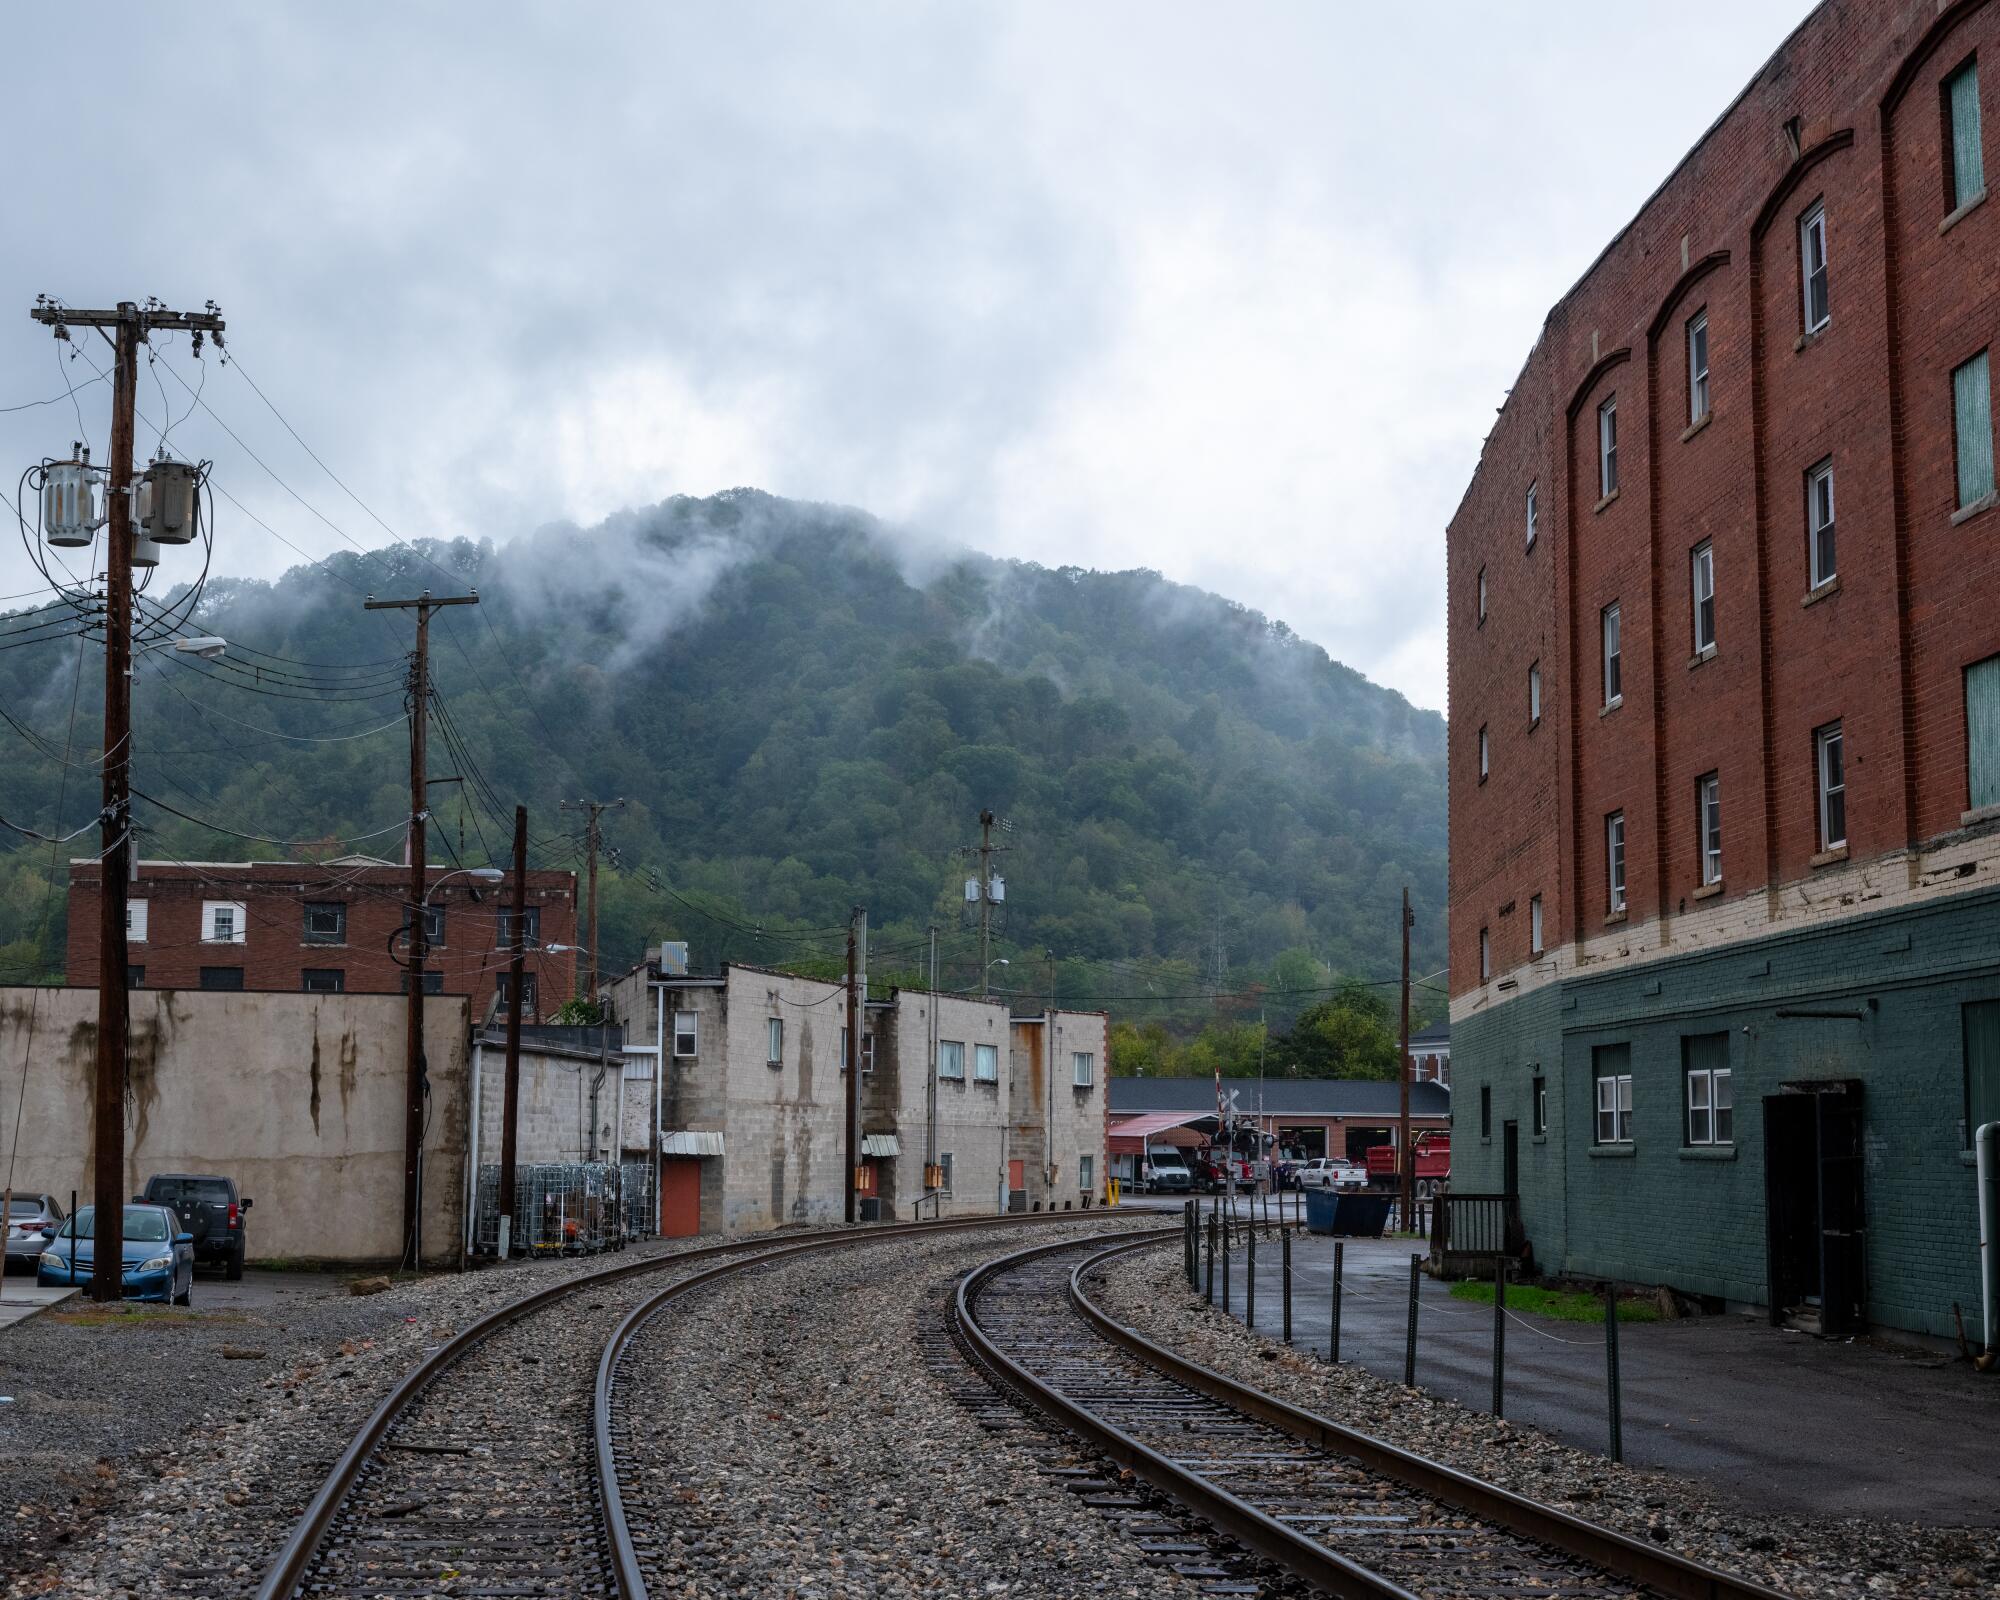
(158, 1256)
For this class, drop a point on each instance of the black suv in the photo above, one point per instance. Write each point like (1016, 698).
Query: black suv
(209, 1209)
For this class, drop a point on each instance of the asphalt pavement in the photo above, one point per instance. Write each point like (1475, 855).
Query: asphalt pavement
(1784, 1420)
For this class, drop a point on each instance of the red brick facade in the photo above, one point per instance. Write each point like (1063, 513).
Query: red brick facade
(274, 951)
(1848, 114)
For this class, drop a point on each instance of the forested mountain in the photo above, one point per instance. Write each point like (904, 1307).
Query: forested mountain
(804, 712)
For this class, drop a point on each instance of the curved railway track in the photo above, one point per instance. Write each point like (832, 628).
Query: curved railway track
(491, 1467)
(1346, 1513)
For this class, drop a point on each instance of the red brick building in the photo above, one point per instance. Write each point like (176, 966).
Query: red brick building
(1725, 688)
(333, 927)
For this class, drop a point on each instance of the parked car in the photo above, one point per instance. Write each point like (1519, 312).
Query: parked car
(209, 1209)
(29, 1216)
(1330, 1172)
(1163, 1172)
(158, 1254)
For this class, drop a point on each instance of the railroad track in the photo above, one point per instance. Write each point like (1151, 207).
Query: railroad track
(1339, 1510)
(492, 1467)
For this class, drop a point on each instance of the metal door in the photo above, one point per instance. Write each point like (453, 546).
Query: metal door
(1843, 1236)
(1510, 1158)
(680, 1198)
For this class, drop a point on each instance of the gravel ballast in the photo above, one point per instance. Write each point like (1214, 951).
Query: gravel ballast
(1807, 1557)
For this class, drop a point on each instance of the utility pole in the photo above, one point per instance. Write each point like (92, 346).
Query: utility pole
(517, 962)
(986, 891)
(130, 328)
(857, 1006)
(1403, 1157)
(1049, 1111)
(592, 837)
(931, 1175)
(415, 1085)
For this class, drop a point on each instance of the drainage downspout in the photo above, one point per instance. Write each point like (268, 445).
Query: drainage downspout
(1986, 1142)
(472, 1155)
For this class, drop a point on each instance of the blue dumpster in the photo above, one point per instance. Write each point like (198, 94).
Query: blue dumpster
(1361, 1216)
(1320, 1204)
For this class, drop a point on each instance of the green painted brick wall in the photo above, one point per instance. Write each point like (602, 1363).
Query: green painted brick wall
(1656, 1212)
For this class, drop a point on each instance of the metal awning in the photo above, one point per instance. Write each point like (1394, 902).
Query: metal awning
(878, 1144)
(691, 1142)
(1128, 1135)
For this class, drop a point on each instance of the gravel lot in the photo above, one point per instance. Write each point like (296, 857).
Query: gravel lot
(807, 1451)
(1807, 1557)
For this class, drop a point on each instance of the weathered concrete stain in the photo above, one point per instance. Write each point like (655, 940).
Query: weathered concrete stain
(314, 1101)
(350, 1074)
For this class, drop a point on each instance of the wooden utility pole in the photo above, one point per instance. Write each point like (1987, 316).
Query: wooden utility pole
(516, 968)
(1404, 1159)
(857, 1005)
(129, 327)
(415, 1086)
(985, 900)
(592, 837)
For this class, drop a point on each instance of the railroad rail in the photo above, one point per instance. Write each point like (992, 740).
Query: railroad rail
(492, 1459)
(1347, 1513)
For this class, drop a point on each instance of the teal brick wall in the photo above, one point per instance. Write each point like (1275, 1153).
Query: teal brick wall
(1658, 1212)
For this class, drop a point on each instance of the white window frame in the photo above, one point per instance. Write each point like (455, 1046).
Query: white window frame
(1812, 232)
(1614, 1108)
(944, 1171)
(1697, 354)
(1614, 859)
(1531, 517)
(1701, 579)
(985, 1063)
(774, 1042)
(238, 912)
(1607, 448)
(1610, 630)
(1830, 774)
(1083, 1068)
(1535, 945)
(1485, 955)
(1708, 825)
(686, 1025)
(951, 1059)
(1485, 755)
(1538, 1108)
(1822, 556)
(1086, 1172)
(135, 921)
(1534, 692)
(1710, 1098)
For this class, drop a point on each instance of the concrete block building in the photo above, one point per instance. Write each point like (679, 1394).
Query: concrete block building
(1725, 708)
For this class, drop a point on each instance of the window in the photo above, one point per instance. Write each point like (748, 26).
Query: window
(1965, 164)
(223, 921)
(1708, 825)
(1612, 1064)
(1972, 415)
(1539, 1105)
(1485, 955)
(433, 926)
(1086, 1173)
(1485, 752)
(135, 975)
(1534, 692)
(685, 1034)
(1531, 516)
(1703, 569)
(1614, 858)
(326, 922)
(1486, 1111)
(225, 980)
(1711, 1117)
(433, 983)
(135, 922)
(1697, 367)
(1812, 268)
(1083, 1069)
(531, 926)
(1819, 522)
(1614, 681)
(530, 996)
(1832, 768)
(944, 1170)
(1607, 448)
(323, 980)
(951, 1058)
(1535, 926)
(986, 1063)
(1982, 1065)
(774, 1045)
(1982, 732)
(1482, 595)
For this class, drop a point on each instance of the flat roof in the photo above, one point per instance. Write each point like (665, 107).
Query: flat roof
(1282, 1097)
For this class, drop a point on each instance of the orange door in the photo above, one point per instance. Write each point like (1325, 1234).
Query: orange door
(1017, 1176)
(680, 1199)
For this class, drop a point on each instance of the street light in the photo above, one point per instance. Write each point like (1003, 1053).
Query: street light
(483, 874)
(206, 646)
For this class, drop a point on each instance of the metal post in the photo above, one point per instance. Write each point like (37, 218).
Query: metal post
(1405, 1164)
(1611, 1369)
(1410, 1340)
(1225, 1265)
(1285, 1250)
(1208, 1291)
(1333, 1339)
(1250, 1277)
(1499, 1335)
(852, 1066)
(510, 1111)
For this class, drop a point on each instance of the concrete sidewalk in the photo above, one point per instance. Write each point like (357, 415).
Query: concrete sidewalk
(20, 1300)
(1785, 1421)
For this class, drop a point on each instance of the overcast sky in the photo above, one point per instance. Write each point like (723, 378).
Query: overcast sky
(1231, 292)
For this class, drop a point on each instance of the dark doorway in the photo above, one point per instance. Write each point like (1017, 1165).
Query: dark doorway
(1361, 1140)
(1510, 1158)
(1814, 1216)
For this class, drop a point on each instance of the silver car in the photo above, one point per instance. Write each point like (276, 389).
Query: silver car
(27, 1216)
